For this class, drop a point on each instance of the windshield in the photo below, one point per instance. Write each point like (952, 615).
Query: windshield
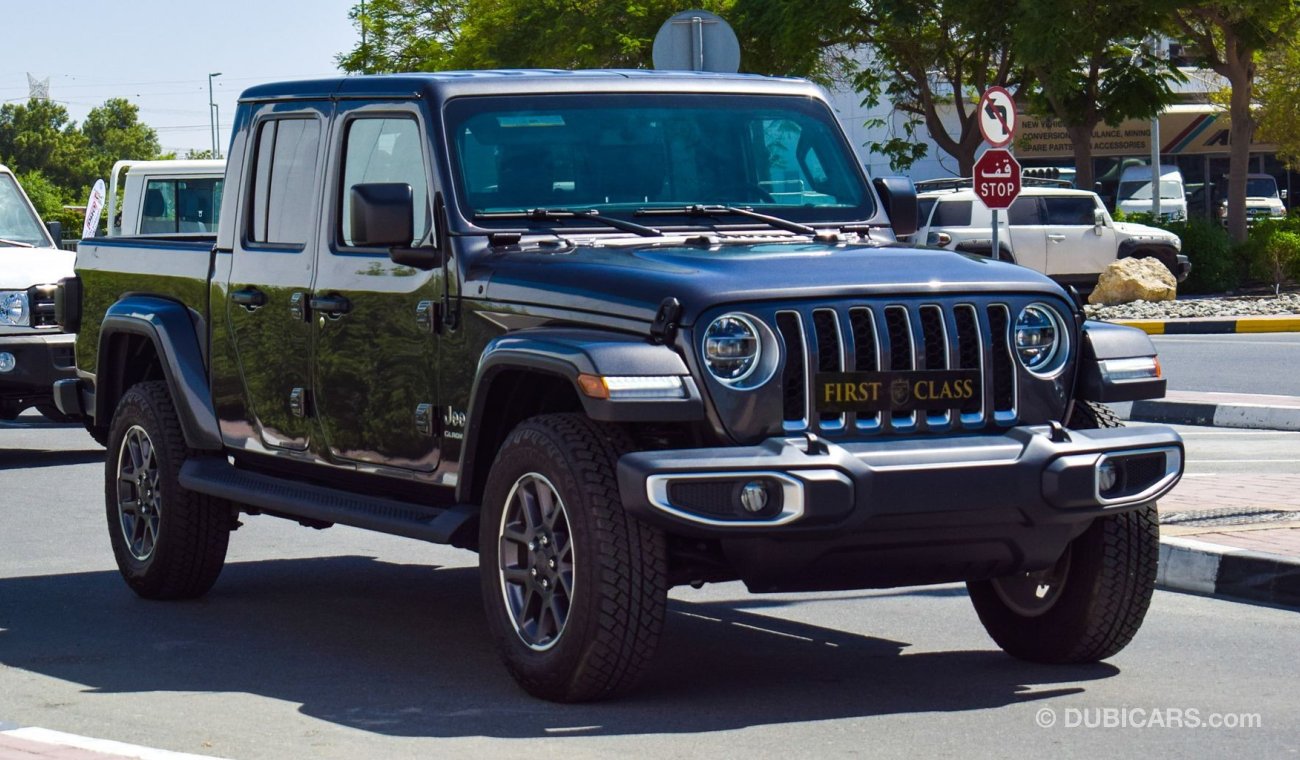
(17, 221)
(1141, 191)
(1261, 187)
(619, 153)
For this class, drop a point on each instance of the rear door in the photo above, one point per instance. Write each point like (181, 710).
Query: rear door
(271, 274)
(1028, 233)
(1076, 245)
(376, 378)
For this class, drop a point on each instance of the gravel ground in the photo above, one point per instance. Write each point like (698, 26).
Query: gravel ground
(1235, 306)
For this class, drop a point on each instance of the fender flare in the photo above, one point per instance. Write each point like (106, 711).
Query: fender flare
(1101, 341)
(173, 330)
(1162, 248)
(568, 352)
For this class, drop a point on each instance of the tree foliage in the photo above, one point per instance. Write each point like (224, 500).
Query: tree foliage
(57, 161)
(1229, 37)
(1089, 68)
(1278, 96)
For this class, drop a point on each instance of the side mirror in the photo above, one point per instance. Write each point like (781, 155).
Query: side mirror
(56, 230)
(898, 196)
(1098, 220)
(1282, 194)
(383, 215)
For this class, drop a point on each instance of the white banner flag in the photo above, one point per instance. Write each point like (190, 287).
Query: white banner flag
(94, 207)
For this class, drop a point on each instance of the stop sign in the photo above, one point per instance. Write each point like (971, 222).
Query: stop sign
(997, 178)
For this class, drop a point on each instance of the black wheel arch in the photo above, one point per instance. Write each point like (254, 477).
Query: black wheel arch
(146, 338)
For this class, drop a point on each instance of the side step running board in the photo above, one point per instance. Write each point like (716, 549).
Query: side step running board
(291, 498)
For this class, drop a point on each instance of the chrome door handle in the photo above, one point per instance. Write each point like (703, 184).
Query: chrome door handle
(249, 298)
(1057, 238)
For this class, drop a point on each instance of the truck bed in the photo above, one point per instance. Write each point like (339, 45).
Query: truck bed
(174, 267)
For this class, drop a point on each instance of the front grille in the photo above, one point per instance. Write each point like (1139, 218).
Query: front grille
(41, 301)
(897, 336)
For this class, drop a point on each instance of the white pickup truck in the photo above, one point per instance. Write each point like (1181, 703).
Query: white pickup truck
(166, 197)
(34, 351)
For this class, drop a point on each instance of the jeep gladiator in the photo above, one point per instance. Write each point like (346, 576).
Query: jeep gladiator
(616, 332)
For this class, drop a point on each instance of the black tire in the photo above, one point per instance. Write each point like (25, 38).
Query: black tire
(600, 639)
(178, 539)
(52, 413)
(1090, 415)
(1089, 605)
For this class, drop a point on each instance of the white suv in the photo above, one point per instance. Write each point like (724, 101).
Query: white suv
(1062, 232)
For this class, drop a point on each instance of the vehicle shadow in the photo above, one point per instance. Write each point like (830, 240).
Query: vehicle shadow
(23, 458)
(403, 650)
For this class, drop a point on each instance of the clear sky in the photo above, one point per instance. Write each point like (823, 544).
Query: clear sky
(158, 54)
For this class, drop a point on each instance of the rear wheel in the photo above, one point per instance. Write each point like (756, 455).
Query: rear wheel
(1090, 604)
(169, 542)
(574, 590)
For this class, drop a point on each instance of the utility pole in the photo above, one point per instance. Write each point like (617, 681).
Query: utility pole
(212, 114)
(365, 51)
(1155, 141)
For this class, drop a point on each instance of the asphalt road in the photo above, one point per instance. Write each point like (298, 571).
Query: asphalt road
(348, 644)
(1241, 363)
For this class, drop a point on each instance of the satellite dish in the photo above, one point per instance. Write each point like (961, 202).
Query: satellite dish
(696, 41)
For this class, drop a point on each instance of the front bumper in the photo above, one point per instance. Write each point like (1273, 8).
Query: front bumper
(897, 512)
(39, 360)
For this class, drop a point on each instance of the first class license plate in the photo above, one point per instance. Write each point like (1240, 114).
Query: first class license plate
(904, 391)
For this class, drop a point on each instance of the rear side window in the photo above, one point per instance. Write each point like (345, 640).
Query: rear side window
(952, 214)
(181, 205)
(284, 174)
(1070, 210)
(1024, 212)
(384, 150)
(923, 208)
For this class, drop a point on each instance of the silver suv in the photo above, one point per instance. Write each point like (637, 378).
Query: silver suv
(1065, 233)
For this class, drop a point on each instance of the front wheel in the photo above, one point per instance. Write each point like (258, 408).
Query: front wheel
(1090, 604)
(574, 590)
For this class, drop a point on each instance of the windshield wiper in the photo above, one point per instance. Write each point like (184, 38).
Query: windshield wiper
(715, 211)
(16, 243)
(562, 214)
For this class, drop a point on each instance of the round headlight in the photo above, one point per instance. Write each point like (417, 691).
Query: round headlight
(1040, 339)
(732, 348)
(13, 308)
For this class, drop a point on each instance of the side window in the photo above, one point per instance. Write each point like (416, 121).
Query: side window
(1024, 211)
(284, 173)
(1070, 210)
(923, 208)
(158, 214)
(384, 150)
(952, 214)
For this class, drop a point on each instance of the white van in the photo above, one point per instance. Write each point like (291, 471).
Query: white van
(1134, 194)
(166, 197)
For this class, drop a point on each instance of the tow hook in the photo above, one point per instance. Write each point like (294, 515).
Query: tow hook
(815, 446)
(1058, 434)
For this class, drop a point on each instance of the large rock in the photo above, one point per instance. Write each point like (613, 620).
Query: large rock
(1128, 280)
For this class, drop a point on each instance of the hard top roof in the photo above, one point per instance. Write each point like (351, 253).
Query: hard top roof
(442, 85)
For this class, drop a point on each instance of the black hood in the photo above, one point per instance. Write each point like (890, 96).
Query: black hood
(631, 281)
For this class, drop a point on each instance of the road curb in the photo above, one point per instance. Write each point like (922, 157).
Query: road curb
(1269, 324)
(1252, 416)
(1201, 567)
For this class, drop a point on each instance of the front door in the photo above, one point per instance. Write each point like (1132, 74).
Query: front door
(271, 273)
(376, 351)
(1028, 235)
(1076, 245)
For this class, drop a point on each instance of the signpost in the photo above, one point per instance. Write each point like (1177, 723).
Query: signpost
(997, 172)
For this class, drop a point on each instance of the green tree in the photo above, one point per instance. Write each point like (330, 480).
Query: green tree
(1278, 114)
(404, 35)
(1229, 36)
(40, 136)
(114, 132)
(1087, 70)
(931, 60)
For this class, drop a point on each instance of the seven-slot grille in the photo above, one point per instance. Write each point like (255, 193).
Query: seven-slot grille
(40, 300)
(891, 337)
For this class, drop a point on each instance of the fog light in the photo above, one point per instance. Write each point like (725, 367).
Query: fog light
(7, 362)
(1107, 477)
(753, 497)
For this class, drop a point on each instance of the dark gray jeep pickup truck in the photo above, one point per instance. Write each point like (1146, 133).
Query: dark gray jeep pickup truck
(617, 332)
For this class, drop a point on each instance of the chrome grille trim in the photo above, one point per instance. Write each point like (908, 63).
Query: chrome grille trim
(899, 335)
